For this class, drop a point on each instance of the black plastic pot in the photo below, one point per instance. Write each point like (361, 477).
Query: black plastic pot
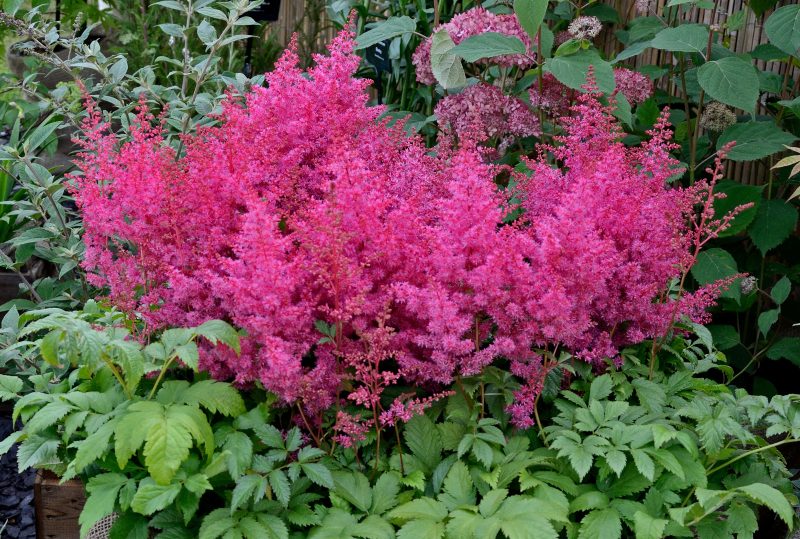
(267, 11)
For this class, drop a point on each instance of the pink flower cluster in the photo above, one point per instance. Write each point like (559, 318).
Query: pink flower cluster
(607, 235)
(635, 86)
(483, 111)
(300, 207)
(471, 23)
(555, 98)
(552, 97)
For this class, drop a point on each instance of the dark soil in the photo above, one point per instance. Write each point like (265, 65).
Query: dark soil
(16, 493)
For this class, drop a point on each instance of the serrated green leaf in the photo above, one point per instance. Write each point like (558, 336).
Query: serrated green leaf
(742, 519)
(601, 387)
(683, 38)
(572, 70)
(169, 436)
(35, 451)
(616, 460)
(647, 527)
(754, 140)
(388, 29)
(736, 194)
(421, 529)
(218, 331)
(280, 486)
(732, 81)
(774, 222)
(247, 487)
(421, 508)
(601, 524)
(488, 45)
(94, 446)
(593, 499)
(353, 487)
(130, 526)
(459, 489)
(48, 415)
(318, 474)
(151, 497)
(103, 490)
(446, 66)
(384, 493)
(766, 320)
(424, 440)
(780, 292)
(770, 497)
(240, 449)
(521, 518)
(270, 435)
(483, 452)
(783, 29)
(373, 527)
(216, 397)
(530, 14)
(643, 463)
(337, 524)
(215, 524)
(786, 348)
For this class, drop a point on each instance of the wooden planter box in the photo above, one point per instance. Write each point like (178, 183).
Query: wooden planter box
(57, 507)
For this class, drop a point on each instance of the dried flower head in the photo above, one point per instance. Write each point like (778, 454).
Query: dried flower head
(585, 27)
(717, 117)
(748, 285)
(553, 96)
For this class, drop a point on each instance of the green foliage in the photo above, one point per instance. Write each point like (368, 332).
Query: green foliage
(151, 437)
(181, 53)
(445, 64)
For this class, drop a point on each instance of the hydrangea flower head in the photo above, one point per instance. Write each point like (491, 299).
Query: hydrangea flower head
(470, 23)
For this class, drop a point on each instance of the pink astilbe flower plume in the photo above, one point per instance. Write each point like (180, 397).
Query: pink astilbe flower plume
(608, 237)
(301, 208)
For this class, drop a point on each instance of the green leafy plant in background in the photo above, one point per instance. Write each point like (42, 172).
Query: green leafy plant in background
(756, 319)
(47, 226)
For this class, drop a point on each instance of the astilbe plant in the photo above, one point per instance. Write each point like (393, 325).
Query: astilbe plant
(302, 209)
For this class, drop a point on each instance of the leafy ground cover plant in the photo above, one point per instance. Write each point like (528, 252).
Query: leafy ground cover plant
(678, 456)
(169, 451)
(148, 437)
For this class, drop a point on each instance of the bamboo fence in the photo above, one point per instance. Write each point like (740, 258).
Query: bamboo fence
(309, 20)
